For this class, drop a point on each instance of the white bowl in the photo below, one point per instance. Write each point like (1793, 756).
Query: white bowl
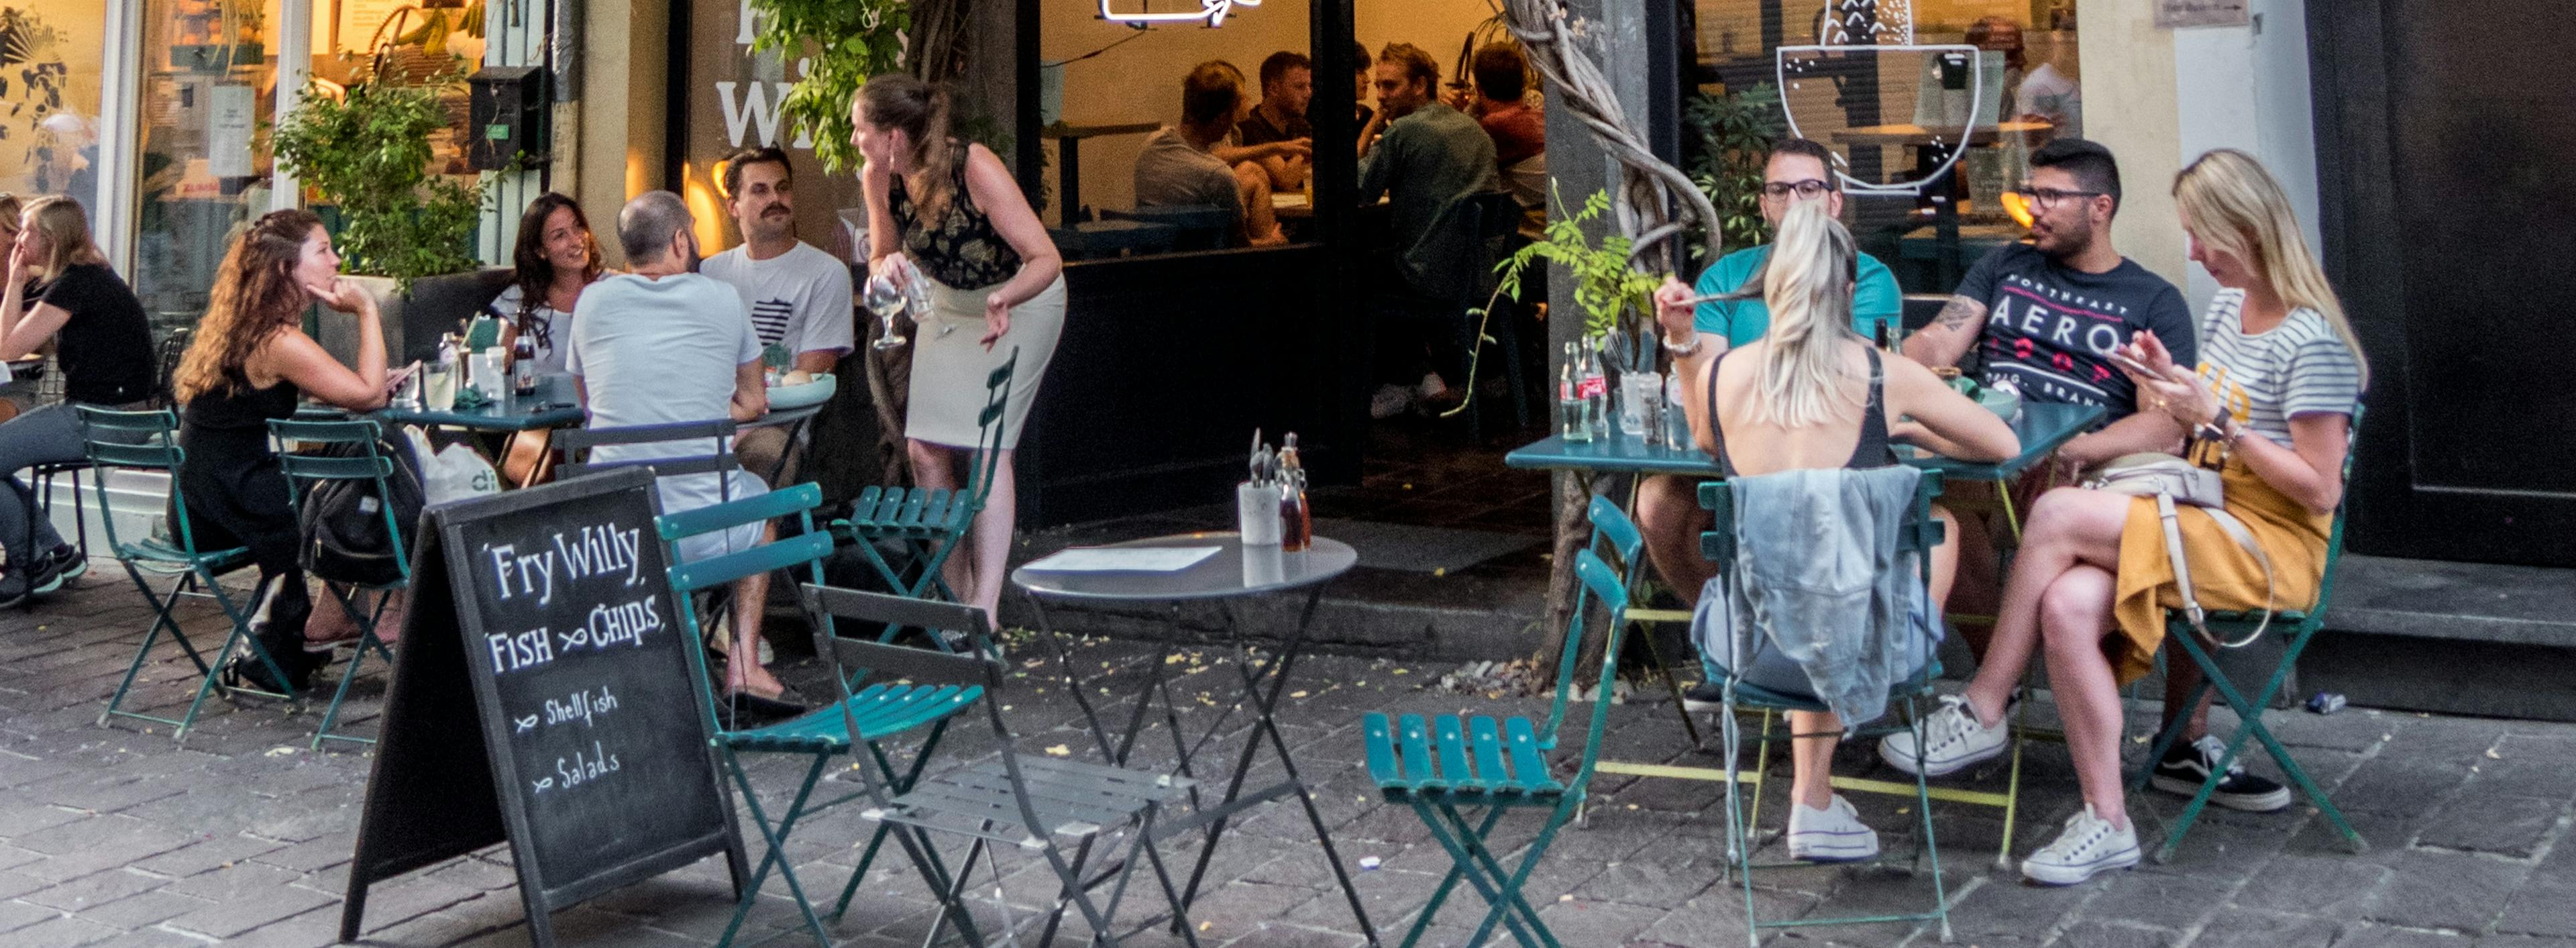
(815, 392)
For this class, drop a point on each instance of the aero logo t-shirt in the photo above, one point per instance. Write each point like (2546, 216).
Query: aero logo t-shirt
(2049, 327)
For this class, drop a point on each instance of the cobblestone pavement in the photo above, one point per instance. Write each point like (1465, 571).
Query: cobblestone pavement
(116, 836)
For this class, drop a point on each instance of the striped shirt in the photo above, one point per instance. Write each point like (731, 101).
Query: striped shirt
(2300, 367)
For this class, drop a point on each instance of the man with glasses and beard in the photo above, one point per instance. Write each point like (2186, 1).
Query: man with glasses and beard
(2044, 317)
(798, 294)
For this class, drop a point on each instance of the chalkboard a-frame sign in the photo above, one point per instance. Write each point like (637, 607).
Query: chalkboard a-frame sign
(544, 698)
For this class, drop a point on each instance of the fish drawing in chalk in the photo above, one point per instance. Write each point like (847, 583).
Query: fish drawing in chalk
(527, 724)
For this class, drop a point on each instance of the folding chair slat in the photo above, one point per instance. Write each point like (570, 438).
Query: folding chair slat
(785, 501)
(998, 805)
(1143, 783)
(781, 554)
(1453, 751)
(923, 705)
(318, 467)
(1489, 756)
(1378, 739)
(1526, 761)
(1415, 738)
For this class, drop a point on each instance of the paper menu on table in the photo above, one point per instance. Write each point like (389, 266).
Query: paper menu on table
(1124, 559)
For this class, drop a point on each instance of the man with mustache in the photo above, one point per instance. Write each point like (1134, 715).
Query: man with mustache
(798, 295)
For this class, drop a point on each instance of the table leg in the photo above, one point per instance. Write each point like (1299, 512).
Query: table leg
(1265, 726)
(1072, 683)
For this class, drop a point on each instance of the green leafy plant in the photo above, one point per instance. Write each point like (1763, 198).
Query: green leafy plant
(1736, 131)
(368, 154)
(840, 44)
(1605, 284)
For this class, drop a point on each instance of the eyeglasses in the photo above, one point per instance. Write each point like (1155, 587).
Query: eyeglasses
(2048, 197)
(1809, 189)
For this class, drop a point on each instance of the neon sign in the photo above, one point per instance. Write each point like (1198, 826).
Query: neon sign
(1213, 11)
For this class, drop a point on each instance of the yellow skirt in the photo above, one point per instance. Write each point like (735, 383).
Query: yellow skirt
(2224, 576)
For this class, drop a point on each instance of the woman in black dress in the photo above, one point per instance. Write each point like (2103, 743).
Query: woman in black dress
(60, 288)
(249, 364)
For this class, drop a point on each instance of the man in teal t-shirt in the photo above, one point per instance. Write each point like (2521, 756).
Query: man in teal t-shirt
(1799, 170)
(1740, 322)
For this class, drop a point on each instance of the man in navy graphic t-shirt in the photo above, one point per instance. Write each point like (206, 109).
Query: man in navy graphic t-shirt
(2044, 316)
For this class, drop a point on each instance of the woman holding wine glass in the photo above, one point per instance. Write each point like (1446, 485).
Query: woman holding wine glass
(947, 222)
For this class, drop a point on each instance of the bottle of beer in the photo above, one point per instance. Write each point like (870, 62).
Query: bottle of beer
(523, 366)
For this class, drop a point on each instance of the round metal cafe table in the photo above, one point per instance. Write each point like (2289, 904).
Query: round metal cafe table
(1233, 573)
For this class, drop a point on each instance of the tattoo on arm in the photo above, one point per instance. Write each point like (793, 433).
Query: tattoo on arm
(1960, 312)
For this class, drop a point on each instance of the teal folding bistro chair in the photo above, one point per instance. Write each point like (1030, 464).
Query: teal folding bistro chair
(2244, 627)
(148, 441)
(1616, 540)
(865, 717)
(1919, 534)
(1426, 765)
(353, 453)
(930, 522)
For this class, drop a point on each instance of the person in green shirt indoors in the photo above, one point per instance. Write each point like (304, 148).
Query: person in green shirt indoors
(1668, 508)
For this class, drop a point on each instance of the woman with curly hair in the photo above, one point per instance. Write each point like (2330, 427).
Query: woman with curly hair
(249, 364)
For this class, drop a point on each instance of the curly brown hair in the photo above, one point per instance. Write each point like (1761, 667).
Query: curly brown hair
(255, 297)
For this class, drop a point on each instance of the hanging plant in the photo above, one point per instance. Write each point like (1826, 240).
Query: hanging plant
(833, 47)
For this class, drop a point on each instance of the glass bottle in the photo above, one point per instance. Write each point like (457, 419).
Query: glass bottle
(1296, 521)
(1570, 405)
(1594, 387)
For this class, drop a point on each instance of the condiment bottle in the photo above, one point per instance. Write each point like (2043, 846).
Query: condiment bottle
(1296, 521)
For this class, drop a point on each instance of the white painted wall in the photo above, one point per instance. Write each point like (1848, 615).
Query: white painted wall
(2247, 88)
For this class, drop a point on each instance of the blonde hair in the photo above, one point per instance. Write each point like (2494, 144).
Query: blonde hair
(1807, 284)
(2235, 207)
(66, 230)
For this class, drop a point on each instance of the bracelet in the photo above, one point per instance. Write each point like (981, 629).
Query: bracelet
(1682, 351)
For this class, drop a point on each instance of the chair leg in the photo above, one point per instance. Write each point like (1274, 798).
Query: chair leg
(161, 619)
(1457, 869)
(1499, 909)
(776, 837)
(2250, 724)
(1655, 658)
(897, 786)
(367, 638)
(1469, 858)
(241, 637)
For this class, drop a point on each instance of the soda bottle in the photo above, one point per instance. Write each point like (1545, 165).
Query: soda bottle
(523, 366)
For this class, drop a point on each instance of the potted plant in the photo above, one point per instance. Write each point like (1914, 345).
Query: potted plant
(1736, 131)
(405, 231)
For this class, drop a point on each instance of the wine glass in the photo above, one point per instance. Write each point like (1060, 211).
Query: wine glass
(882, 298)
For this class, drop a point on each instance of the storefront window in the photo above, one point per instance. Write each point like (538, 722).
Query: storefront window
(1930, 107)
(50, 63)
(208, 97)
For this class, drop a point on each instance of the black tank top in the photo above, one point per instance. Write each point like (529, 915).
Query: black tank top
(1873, 449)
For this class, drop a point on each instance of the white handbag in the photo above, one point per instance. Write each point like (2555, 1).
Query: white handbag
(2173, 481)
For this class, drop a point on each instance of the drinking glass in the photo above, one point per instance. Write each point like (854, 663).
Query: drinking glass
(882, 298)
(1637, 391)
(438, 392)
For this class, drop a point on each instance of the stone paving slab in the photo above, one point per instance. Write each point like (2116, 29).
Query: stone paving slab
(115, 835)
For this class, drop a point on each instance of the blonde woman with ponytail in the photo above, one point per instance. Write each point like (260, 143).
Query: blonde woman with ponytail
(1810, 394)
(2270, 405)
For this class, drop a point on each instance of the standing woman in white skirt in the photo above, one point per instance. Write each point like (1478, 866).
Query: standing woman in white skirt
(996, 286)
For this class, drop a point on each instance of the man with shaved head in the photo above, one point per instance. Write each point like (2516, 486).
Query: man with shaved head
(661, 345)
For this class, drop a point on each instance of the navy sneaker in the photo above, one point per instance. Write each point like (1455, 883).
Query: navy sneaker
(69, 561)
(2184, 768)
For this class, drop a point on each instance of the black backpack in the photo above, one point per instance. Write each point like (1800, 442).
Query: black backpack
(343, 522)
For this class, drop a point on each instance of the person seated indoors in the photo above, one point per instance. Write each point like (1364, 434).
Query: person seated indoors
(1179, 166)
(1668, 511)
(2271, 405)
(1361, 113)
(663, 345)
(1811, 394)
(1426, 159)
(1287, 89)
(1519, 130)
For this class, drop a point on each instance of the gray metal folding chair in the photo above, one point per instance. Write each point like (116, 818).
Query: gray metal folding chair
(1047, 806)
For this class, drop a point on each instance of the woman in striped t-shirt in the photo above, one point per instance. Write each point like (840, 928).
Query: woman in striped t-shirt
(2271, 404)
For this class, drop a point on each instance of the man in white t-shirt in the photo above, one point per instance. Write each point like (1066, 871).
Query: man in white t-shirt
(798, 295)
(663, 344)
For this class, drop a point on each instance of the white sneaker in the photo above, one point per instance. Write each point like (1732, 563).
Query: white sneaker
(1390, 401)
(1832, 834)
(1955, 737)
(2088, 845)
